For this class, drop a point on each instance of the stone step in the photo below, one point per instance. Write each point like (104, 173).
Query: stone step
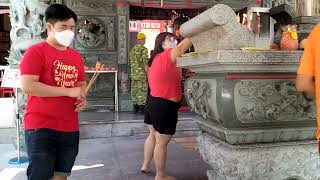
(187, 142)
(191, 139)
(185, 127)
(92, 128)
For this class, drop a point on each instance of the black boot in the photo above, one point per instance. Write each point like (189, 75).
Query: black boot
(141, 109)
(135, 108)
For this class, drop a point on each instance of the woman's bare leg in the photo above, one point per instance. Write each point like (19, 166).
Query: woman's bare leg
(160, 156)
(148, 149)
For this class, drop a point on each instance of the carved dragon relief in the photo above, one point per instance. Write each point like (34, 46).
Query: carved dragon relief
(90, 32)
(28, 26)
(197, 95)
(270, 101)
(27, 19)
(95, 33)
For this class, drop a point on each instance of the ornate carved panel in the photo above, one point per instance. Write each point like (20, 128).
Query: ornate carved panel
(198, 93)
(275, 3)
(270, 101)
(90, 32)
(110, 33)
(92, 6)
(95, 33)
(108, 59)
(306, 28)
(297, 160)
(103, 87)
(123, 40)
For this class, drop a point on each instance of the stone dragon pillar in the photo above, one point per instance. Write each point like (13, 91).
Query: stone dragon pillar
(28, 28)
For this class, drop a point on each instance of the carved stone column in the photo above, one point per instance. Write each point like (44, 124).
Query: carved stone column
(123, 29)
(123, 55)
(28, 26)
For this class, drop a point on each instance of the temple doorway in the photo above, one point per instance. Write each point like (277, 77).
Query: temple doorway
(153, 19)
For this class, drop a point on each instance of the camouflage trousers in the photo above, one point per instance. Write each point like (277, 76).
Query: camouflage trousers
(139, 91)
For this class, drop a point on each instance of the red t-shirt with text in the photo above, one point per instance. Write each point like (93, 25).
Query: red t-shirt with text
(60, 68)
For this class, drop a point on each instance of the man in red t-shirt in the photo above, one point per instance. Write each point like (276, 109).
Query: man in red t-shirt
(52, 74)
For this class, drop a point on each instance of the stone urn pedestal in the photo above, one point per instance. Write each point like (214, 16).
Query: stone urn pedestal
(255, 125)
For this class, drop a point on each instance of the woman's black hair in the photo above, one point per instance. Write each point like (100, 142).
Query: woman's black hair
(158, 45)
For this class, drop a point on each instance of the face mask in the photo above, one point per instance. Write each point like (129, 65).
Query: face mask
(171, 44)
(65, 37)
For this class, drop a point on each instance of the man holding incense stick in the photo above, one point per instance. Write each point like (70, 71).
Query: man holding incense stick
(52, 74)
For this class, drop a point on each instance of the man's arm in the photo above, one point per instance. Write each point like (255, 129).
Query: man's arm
(83, 87)
(305, 83)
(144, 58)
(81, 102)
(30, 84)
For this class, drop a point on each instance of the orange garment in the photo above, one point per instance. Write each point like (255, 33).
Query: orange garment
(310, 66)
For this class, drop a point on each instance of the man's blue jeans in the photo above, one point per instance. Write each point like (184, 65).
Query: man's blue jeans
(51, 153)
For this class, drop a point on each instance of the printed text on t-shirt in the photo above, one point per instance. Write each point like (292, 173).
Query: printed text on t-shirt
(65, 75)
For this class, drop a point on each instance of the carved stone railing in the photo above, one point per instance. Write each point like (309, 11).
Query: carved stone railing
(253, 120)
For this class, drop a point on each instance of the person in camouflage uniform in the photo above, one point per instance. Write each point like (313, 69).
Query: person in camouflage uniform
(139, 68)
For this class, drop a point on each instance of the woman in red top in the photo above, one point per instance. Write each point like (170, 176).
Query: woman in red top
(161, 113)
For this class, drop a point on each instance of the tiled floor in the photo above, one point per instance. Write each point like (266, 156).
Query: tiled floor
(119, 159)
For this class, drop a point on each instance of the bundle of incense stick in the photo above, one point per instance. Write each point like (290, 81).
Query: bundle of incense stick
(94, 77)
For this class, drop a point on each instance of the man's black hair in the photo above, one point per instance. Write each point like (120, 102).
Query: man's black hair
(59, 12)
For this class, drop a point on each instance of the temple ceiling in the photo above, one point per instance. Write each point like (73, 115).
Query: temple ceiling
(173, 4)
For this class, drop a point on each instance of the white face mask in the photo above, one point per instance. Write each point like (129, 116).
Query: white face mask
(170, 44)
(65, 37)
